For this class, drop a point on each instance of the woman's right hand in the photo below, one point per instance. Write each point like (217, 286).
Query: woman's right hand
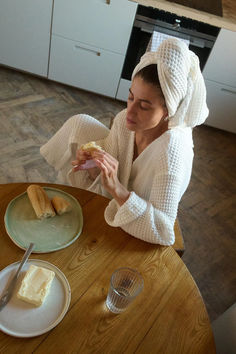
(84, 161)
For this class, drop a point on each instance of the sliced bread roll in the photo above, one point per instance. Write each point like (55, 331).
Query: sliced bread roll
(91, 146)
(60, 205)
(40, 202)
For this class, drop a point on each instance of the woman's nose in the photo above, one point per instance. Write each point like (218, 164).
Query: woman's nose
(131, 109)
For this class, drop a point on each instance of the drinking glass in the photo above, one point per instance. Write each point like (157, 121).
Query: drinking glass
(125, 285)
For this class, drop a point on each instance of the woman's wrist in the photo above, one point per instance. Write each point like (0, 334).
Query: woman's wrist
(121, 194)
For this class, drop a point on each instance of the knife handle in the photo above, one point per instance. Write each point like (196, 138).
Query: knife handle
(8, 293)
(24, 259)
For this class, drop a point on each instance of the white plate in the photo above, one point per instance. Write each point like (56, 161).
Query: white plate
(21, 319)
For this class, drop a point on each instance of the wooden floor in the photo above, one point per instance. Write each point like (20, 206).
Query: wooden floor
(32, 109)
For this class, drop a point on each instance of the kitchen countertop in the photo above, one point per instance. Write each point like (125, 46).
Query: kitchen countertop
(227, 21)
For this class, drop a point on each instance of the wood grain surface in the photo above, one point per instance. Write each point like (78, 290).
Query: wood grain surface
(169, 316)
(190, 9)
(210, 6)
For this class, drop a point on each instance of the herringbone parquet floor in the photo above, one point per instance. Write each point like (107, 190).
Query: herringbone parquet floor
(32, 110)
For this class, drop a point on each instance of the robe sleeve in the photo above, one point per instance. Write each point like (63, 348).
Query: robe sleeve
(153, 220)
(60, 150)
(110, 144)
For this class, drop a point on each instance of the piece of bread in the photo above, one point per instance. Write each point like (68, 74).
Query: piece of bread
(91, 146)
(40, 202)
(60, 205)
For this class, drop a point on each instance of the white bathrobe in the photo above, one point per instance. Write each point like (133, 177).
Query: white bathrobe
(157, 178)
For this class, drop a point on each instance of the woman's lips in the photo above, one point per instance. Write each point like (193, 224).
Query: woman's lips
(130, 121)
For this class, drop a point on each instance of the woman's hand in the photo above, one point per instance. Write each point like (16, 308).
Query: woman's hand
(84, 161)
(109, 168)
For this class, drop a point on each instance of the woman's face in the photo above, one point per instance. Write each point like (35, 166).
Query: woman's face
(145, 106)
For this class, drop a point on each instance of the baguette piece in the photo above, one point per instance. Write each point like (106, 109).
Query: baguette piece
(91, 146)
(40, 202)
(60, 205)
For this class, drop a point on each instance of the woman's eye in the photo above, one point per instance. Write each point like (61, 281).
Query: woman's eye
(144, 108)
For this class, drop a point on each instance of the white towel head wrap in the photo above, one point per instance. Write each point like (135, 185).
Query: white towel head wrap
(181, 82)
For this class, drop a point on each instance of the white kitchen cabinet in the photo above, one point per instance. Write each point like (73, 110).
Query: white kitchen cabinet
(89, 43)
(221, 101)
(123, 90)
(25, 34)
(221, 65)
(104, 24)
(90, 68)
(220, 77)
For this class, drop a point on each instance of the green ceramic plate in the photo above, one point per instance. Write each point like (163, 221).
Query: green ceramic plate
(48, 235)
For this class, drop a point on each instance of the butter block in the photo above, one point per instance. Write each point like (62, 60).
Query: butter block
(36, 285)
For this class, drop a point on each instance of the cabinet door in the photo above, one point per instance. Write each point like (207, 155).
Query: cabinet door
(83, 66)
(123, 90)
(105, 24)
(221, 100)
(221, 65)
(25, 34)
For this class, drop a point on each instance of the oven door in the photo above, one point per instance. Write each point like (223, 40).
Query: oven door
(139, 40)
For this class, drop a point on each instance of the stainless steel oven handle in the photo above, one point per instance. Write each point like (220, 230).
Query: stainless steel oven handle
(146, 30)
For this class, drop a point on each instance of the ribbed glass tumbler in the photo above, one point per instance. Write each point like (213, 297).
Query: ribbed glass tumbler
(125, 285)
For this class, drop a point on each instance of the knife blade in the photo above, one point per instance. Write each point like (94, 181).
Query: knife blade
(7, 294)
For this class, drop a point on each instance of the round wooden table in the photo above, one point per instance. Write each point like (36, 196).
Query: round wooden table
(169, 316)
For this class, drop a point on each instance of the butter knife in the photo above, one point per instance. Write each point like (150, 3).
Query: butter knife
(7, 294)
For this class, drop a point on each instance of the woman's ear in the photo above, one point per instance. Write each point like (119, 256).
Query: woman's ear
(165, 115)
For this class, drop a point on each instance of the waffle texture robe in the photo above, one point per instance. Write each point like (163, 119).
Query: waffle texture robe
(157, 178)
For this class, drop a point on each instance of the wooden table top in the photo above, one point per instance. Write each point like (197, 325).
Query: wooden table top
(169, 316)
(227, 20)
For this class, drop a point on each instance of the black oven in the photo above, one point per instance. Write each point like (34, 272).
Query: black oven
(201, 39)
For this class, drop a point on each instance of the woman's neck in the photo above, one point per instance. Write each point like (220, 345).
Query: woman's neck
(146, 137)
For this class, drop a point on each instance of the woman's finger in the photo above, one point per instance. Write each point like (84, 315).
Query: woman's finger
(103, 154)
(83, 155)
(107, 159)
(77, 162)
(81, 158)
(102, 167)
(106, 167)
(88, 164)
(110, 167)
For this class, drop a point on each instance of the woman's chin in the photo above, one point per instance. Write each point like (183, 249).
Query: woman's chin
(130, 125)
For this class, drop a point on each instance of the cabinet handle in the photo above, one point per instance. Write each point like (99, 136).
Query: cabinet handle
(88, 50)
(230, 91)
(108, 2)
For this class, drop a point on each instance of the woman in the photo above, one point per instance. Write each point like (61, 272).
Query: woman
(147, 160)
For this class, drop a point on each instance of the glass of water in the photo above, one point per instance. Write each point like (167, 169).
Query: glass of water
(125, 285)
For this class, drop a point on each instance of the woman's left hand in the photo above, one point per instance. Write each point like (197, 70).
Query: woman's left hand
(109, 169)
